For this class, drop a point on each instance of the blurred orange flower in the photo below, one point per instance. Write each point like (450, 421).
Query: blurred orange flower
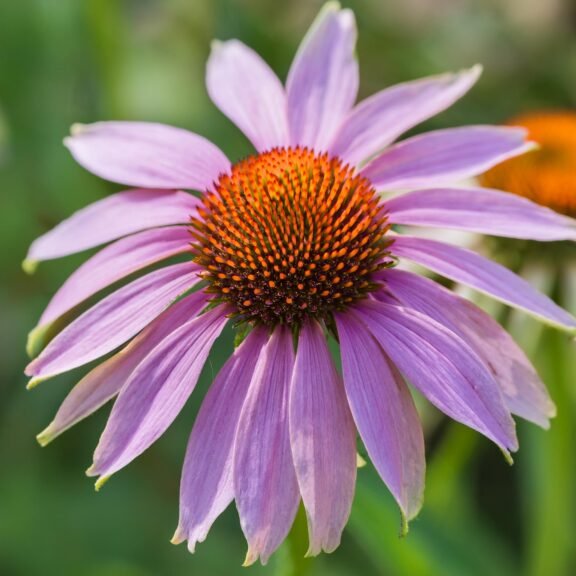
(546, 175)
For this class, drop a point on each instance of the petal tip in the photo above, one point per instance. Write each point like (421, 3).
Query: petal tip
(544, 424)
(317, 548)
(408, 513)
(404, 525)
(46, 436)
(216, 45)
(545, 414)
(347, 18)
(77, 129)
(332, 6)
(507, 456)
(478, 68)
(29, 265)
(311, 552)
(512, 444)
(413, 508)
(33, 382)
(251, 557)
(34, 343)
(474, 72)
(178, 537)
(100, 482)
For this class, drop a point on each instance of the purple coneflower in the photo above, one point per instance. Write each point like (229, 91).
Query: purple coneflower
(294, 245)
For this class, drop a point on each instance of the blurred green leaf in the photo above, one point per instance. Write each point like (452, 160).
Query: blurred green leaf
(549, 476)
(434, 546)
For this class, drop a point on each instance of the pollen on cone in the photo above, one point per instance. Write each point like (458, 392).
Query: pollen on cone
(290, 234)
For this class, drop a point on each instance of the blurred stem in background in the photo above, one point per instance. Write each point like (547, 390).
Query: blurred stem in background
(104, 21)
(549, 479)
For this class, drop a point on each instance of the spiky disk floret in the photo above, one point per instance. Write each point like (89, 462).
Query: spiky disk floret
(290, 234)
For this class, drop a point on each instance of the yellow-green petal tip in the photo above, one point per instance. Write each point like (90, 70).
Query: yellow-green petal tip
(77, 128)
(33, 382)
(251, 557)
(29, 266)
(178, 537)
(35, 340)
(46, 436)
(100, 482)
(404, 527)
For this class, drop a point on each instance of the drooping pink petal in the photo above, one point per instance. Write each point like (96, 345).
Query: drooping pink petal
(443, 367)
(444, 156)
(114, 320)
(114, 263)
(524, 392)
(377, 121)
(323, 80)
(384, 413)
(469, 268)
(156, 392)
(105, 381)
(206, 488)
(147, 155)
(111, 218)
(265, 485)
(323, 440)
(246, 89)
(480, 210)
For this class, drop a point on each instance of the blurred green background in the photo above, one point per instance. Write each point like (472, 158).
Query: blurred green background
(65, 61)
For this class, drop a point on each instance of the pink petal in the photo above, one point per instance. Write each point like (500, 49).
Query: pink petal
(156, 392)
(323, 440)
(246, 89)
(380, 119)
(113, 320)
(147, 155)
(384, 413)
(111, 218)
(114, 263)
(464, 266)
(265, 483)
(524, 392)
(445, 155)
(480, 210)
(323, 80)
(207, 488)
(443, 367)
(105, 381)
